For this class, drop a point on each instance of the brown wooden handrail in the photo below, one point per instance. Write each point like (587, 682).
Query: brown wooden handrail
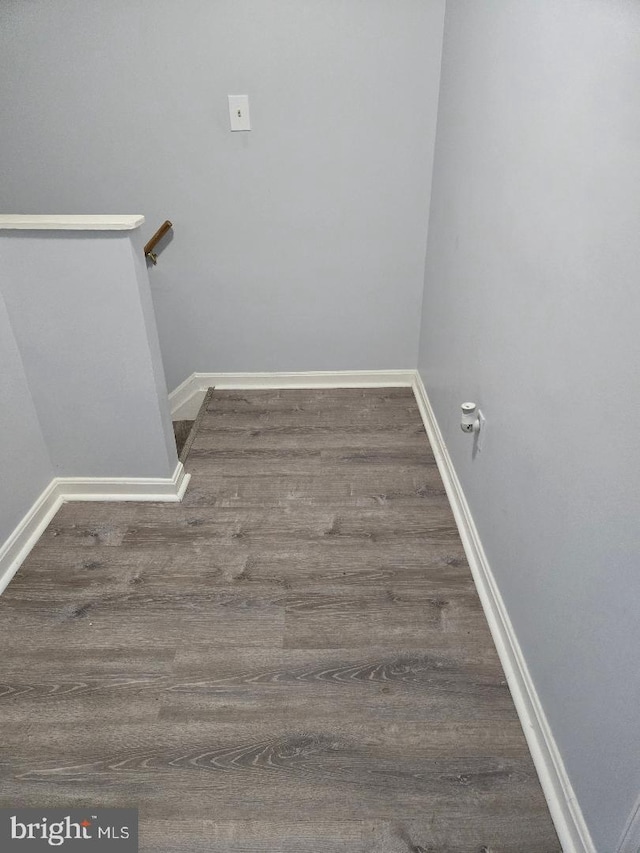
(153, 242)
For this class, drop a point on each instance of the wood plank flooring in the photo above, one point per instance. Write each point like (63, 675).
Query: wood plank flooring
(181, 431)
(294, 659)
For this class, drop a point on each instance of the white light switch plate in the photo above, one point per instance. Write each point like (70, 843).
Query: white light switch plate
(239, 112)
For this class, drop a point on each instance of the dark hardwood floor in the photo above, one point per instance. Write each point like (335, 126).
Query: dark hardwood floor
(293, 659)
(181, 431)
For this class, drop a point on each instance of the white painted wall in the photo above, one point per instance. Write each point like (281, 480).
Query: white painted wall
(298, 246)
(80, 310)
(531, 308)
(25, 467)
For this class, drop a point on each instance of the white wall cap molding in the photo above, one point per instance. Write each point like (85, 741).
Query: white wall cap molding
(70, 222)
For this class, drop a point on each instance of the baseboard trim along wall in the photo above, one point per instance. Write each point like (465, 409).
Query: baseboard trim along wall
(16, 548)
(630, 841)
(566, 814)
(185, 400)
(62, 489)
(124, 489)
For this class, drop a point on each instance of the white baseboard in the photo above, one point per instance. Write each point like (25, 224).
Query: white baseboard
(17, 547)
(566, 814)
(125, 489)
(62, 489)
(630, 841)
(187, 398)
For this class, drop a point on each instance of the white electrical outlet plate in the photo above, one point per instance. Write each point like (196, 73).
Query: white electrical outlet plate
(239, 112)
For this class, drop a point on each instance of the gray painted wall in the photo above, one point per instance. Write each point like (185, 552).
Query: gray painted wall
(297, 246)
(24, 460)
(300, 246)
(79, 306)
(531, 308)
